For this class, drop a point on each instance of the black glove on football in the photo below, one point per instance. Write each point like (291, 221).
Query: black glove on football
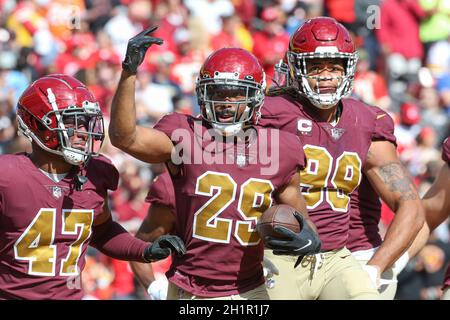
(136, 49)
(163, 247)
(295, 244)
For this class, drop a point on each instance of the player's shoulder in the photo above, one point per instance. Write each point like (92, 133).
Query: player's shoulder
(6, 159)
(102, 172)
(366, 111)
(359, 107)
(14, 166)
(276, 105)
(285, 141)
(176, 118)
(11, 163)
(101, 161)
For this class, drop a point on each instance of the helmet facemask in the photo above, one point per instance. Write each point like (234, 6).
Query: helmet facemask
(298, 68)
(281, 77)
(213, 92)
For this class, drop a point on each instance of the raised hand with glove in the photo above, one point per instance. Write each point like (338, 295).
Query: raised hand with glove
(305, 242)
(136, 49)
(163, 247)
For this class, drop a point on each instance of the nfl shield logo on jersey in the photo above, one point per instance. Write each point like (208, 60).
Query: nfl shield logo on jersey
(57, 192)
(336, 133)
(241, 159)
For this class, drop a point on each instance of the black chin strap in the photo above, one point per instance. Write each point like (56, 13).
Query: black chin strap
(81, 179)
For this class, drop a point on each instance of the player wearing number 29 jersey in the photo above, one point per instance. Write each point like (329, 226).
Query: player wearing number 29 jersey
(226, 171)
(217, 208)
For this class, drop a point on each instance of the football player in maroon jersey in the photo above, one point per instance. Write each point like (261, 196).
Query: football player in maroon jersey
(222, 183)
(53, 202)
(437, 208)
(345, 142)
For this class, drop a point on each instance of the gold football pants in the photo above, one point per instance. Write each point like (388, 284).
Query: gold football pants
(332, 275)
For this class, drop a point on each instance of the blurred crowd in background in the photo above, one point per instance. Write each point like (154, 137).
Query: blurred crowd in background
(404, 68)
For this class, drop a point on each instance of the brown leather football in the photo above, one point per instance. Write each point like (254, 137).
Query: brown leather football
(281, 215)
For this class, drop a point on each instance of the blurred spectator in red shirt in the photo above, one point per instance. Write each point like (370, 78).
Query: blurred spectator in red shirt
(122, 286)
(369, 85)
(342, 11)
(172, 14)
(271, 43)
(398, 36)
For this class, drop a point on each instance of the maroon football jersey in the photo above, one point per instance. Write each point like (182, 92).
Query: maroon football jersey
(365, 204)
(220, 192)
(45, 227)
(335, 158)
(161, 191)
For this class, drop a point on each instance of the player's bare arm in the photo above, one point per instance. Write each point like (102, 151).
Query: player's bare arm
(436, 203)
(159, 221)
(394, 185)
(292, 196)
(143, 143)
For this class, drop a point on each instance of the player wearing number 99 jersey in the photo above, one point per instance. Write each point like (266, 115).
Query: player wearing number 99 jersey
(343, 140)
(53, 200)
(226, 172)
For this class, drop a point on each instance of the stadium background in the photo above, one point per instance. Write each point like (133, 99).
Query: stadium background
(404, 68)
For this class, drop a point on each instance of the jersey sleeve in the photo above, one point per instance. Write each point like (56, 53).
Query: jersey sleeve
(168, 124)
(446, 151)
(384, 127)
(274, 112)
(103, 173)
(110, 173)
(292, 156)
(161, 192)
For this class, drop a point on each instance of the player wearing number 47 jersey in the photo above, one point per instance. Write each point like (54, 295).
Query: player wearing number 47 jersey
(222, 178)
(344, 140)
(53, 201)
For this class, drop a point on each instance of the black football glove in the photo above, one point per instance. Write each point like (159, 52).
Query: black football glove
(295, 244)
(136, 49)
(163, 247)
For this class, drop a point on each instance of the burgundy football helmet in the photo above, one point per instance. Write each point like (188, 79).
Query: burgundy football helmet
(322, 37)
(231, 72)
(53, 102)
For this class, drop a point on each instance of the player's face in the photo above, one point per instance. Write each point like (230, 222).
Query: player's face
(324, 75)
(77, 131)
(229, 103)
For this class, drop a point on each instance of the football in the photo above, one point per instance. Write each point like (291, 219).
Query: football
(278, 215)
